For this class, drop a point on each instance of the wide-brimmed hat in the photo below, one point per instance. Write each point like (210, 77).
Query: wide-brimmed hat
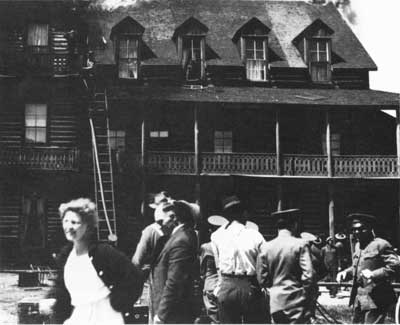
(289, 214)
(159, 198)
(308, 236)
(230, 201)
(357, 220)
(340, 236)
(217, 221)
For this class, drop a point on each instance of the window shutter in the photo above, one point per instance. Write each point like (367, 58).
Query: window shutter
(243, 48)
(180, 48)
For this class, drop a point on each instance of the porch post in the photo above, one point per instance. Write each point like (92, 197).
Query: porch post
(278, 160)
(143, 160)
(331, 208)
(398, 166)
(278, 143)
(197, 162)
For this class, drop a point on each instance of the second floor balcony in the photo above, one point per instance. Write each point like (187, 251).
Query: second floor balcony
(40, 158)
(260, 164)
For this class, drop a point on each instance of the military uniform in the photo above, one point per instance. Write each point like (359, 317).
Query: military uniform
(372, 299)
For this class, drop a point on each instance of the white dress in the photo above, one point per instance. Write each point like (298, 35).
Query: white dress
(89, 295)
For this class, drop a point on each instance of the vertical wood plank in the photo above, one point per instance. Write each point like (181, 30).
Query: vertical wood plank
(328, 143)
(331, 210)
(278, 143)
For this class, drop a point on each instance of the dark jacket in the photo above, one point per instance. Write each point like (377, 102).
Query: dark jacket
(173, 276)
(285, 267)
(122, 278)
(378, 256)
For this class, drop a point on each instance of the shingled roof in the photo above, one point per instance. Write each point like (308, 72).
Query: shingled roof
(223, 18)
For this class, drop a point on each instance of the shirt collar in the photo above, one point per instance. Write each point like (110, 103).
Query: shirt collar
(178, 227)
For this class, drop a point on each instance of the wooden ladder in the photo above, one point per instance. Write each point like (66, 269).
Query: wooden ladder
(102, 167)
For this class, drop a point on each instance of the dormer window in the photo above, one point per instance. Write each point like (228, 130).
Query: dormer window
(319, 59)
(253, 48)
(192, 58)
(256, 58)
(128, 44)
(128, 57)
(314, 43)
(190, 40)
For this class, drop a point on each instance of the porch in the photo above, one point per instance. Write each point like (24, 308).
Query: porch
(265, 164)
(42, 158)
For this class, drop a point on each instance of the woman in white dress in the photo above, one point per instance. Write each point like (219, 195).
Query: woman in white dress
(97, 284)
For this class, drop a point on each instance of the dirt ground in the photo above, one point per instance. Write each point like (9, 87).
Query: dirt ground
(11, 294)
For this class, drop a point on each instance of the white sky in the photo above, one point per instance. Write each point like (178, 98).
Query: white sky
(378, 27)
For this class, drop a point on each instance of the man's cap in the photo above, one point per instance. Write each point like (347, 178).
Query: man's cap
(230, 201)
(251, 225)
(159, 198)
(290, 214)
(358, 220)
(217, 220)
(340, 236)
(329, 239)
(318, 241)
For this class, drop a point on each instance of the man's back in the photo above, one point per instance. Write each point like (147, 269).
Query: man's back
(285, 267)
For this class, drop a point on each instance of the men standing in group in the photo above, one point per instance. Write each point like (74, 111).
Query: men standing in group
(175, 267)
(374, 264)
(240, 299)
(285, 267)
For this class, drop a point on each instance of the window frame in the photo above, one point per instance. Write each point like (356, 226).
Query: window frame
(183, 39)
(226, 136)
(115, 138)
(318, 63)
(34, 48)
(156, 134)
(254, 38)
(127, 38)
(36, 128)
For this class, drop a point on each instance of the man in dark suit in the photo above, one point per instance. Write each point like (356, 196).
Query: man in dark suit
(285, 267)
(176, 267)
(374, 264)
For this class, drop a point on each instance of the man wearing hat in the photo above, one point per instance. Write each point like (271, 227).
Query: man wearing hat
(285, 267)
(374, 264)
(151, 242)
(208, 270)
(240, 299)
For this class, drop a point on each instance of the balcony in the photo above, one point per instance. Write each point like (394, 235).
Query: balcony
(40, 158)
(183, 163)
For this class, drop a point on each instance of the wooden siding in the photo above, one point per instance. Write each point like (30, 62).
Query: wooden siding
(63, 125)
(10, 210)
(351, 79)
(11, 126)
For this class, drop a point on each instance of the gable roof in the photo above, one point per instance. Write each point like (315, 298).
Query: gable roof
(224, 18)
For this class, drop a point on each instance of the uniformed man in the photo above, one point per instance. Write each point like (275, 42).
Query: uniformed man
(240, 299)
(374, 264)
(285, 267)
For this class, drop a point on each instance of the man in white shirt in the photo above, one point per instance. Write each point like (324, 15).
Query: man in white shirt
(236, 249)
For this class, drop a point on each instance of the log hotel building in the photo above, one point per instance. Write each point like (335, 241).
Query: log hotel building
(269, 99)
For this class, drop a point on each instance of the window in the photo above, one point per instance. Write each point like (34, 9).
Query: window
(256, 58)
(223, 141)
(159, 134)
(38, 37)
(128, 58)
(117, 139)
(192, 58)
(335, 144)
(319, 59)
(35, 123)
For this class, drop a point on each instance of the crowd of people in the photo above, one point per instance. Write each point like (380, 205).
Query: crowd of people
(245, 278)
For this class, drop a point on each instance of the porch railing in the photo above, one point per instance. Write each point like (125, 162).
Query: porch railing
(42, 158)
(239, 163)
(305, 165)
(365, 166)
(265, 164)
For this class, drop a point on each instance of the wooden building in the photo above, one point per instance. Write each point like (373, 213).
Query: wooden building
(268, 99)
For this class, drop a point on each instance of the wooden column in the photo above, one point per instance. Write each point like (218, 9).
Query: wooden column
(143, 160)
(279, 196)
(278, 143)
(197, 157)
(398, 167)
(331, 208)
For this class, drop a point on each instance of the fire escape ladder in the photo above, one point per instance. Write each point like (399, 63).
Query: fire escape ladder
(102, 167)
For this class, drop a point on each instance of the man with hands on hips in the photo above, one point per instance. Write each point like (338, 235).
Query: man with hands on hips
(374, 264)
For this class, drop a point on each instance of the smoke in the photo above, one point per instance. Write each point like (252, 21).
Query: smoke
(346, 10)
(110, 5)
